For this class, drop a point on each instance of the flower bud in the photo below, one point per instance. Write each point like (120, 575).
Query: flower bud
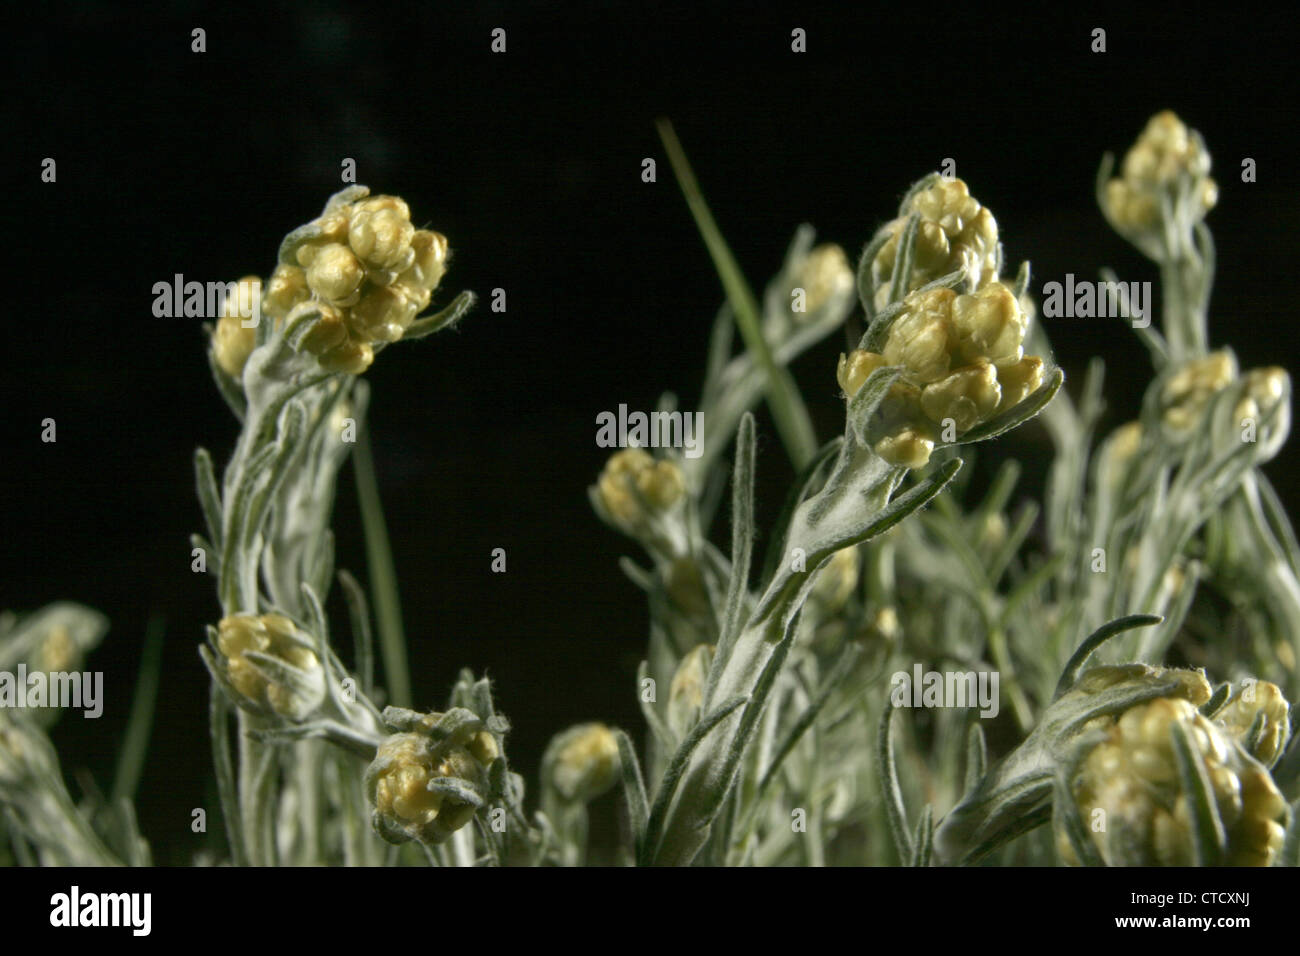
(429, 263)
(989, 325)
(634, 488)
(968, 396)
(906, 448)
(686, 692)
(335, 275)
(327, 330)
(273, 636)
(1187, 393)
(1261, 701)
(404, 804)
(383, 314)
(232, 342)
(1165, 153)
(855, 368)
(350, 356)
(921, 337)
(825, 275)
(955, 232)
(286, 289)
(1019, 380)
(380, 233)
(583, 762)
(1132, 777)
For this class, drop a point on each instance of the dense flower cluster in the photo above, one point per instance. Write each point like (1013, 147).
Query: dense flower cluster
(1129, 792)
(365, 272)
(954, 232)
(1165, 153)
(963, 361)
(423, 785)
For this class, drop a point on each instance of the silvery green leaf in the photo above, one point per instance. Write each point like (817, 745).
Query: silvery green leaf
(1018, 415)
(1209, 838)
(1099, 637)
(633, 787)
(445, 319)
(977, 757)
(457, 789)
(1070, 820)
(887, 775)
(676, 768)
(922, 839)
(742, 542)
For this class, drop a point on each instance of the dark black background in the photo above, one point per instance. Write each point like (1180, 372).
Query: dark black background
(171, 161)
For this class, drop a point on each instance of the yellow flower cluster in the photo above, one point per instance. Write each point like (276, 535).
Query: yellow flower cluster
(1188, 391)
(585, 762)
(368, 272)
(1164, 153)
(955, 232)
(404, 806)
(275, 636)
(633, 487)
(1264, 388)
(963, 362)
(1128, 786)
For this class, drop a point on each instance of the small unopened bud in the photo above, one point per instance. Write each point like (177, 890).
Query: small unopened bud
(825, 275)
(968, 396)
(1266, 704)
(380, 233)
(906, 448)
(686, 693)
(273, 636)
(921, 337)
(335, 274)
(989, 325)
(634, 488)
(583, 762)
(855, 368)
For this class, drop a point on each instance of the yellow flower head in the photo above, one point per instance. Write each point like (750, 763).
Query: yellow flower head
(955, 232)
(428, 779)
(1128, 786)
(368, 271)
(963, 363)
(1165, 154)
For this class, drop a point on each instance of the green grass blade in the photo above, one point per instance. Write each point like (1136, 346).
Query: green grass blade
(139, 724)
(788, 410)
(383, 576)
